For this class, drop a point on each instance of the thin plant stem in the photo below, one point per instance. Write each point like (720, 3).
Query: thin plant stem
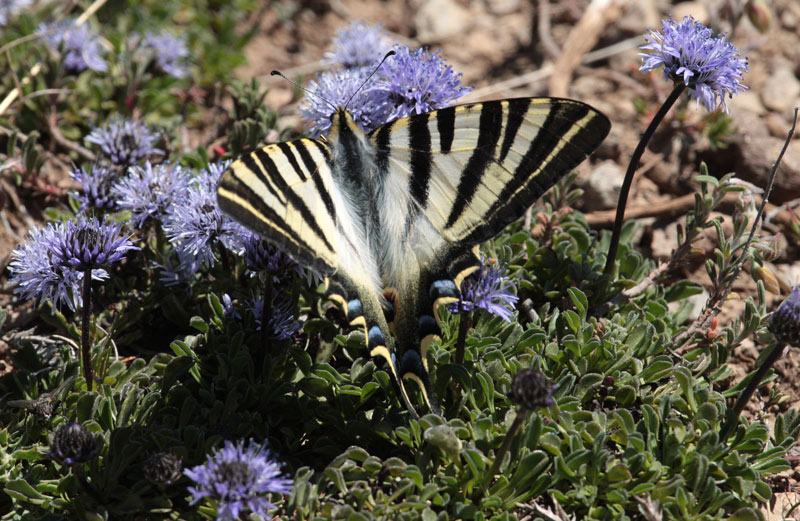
(464, 324)
(732, 416)
(632, 166)
(501, 453)
(86, 354)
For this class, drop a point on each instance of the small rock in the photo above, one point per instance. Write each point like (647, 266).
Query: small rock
(752, 157)
(665, 239)
(437, 20)
(748, 100)
(748, 121)
(781, 92)
(778, 127)
(601, 187)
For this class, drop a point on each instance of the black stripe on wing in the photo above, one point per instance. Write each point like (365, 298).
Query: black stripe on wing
(291, 196)
(524, 188)
(491, 122)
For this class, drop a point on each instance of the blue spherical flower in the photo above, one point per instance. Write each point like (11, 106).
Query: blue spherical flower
(415, 82)
(78, 44)
(237, 478)
(39, 275)
(88, 244)
(359, 45)
(124, 142)
(263, 256)
(195, 225)
(784, 322)
(709, 66)
(96, 188)
(149, 191)
(282, 323)
(169, 53)
(487, 289)
(9, 8)
(368, 106)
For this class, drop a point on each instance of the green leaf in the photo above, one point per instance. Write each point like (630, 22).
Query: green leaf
(23, 491)
(175, 370)
(199, 324)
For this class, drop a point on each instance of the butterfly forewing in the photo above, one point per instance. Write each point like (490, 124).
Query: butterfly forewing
(285, 193)
(473, 169)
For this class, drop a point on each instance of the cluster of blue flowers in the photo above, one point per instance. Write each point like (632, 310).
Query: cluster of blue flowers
(409, 82)
(80, 47)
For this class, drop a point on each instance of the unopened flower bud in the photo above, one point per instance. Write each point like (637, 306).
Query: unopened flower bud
(531, 389)
(769, 279)
(759, 14)
(72, 443)
(163, 468)
(772, 248)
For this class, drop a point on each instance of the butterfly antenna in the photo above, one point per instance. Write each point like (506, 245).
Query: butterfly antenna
(353, 95)
(308, 92)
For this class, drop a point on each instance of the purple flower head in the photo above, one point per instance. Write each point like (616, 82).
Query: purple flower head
(237, 478)
(72, 443)
(263, 256)
(709, 66)
(359, 45)
(10, 8)
(169, 53)
(369, 107)
(487, 289)
(88, 244)
(78, 44)
(195, 225)
(38, 274)
(415, 82)
(784, 322)
(149, 191)
(96, 188)
(282, 323)
(124, 141)
(531, 389)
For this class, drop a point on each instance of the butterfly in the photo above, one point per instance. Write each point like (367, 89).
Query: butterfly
(392, 218)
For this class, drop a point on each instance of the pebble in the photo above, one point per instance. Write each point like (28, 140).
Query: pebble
(782, 91)
(437, 20)
(601, 187)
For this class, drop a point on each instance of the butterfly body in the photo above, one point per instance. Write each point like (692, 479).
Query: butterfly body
(401, 209)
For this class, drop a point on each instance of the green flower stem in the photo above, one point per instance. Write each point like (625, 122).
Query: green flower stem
(632, 166)
(732, 416)
(501, 453)
(464, 323)
(86, 354)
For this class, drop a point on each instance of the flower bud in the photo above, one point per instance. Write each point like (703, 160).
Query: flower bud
(769, 279)
(72, 443)
(759, 14)
(163, 468)
(531, 389)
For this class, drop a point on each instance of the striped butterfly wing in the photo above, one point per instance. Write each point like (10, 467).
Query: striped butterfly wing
(286, 194)
(468, 171)
(473, 169)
